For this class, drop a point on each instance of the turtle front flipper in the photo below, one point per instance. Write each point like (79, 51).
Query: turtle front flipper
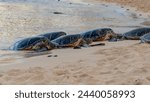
(43, 46)
(80, 43)
(86, 42)
(40, 47)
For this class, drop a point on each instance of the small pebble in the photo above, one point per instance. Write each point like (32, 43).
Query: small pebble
(57, 13)
(55, 55)
(52, 56)
(49, 56)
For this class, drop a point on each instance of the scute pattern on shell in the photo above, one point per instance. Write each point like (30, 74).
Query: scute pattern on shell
(96, 34)
(28, 42)
(53, 35)
(67, 39)
(145, 38)
(136, 33)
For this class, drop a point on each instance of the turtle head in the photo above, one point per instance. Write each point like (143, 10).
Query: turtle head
(108, 33)
(43, 45)
(119, 36)
(111, 35)
(116, 37)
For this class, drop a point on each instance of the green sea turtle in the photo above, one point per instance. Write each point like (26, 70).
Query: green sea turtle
(101, 34)
(134, 34)
(72, 40)
(53, 35)
(36, 43)
(145, 38)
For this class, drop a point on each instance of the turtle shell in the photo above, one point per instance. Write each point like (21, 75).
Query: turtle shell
(145, 38)
(31, 43)
(53, 35)
(97, 34)
(67, 40)
(136, 33)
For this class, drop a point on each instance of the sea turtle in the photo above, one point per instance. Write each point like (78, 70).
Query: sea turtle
(72, 40)
(101, 34)
(135, 34)
(36, 43)
(53, 35)
(145, 38)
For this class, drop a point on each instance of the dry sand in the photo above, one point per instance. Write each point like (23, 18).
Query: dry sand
(124, 62)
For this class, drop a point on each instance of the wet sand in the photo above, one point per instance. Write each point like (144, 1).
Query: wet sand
(123, 62)
(138, 5)
(142, 5)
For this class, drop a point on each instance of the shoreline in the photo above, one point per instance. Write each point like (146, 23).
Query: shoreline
(138, 5)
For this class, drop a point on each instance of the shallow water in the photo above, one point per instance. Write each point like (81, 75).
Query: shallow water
(23, 18)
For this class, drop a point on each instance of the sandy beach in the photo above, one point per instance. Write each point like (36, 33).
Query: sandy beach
(142, 5)
(116, 63)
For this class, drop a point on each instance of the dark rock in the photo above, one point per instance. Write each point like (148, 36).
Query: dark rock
(57, 13)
